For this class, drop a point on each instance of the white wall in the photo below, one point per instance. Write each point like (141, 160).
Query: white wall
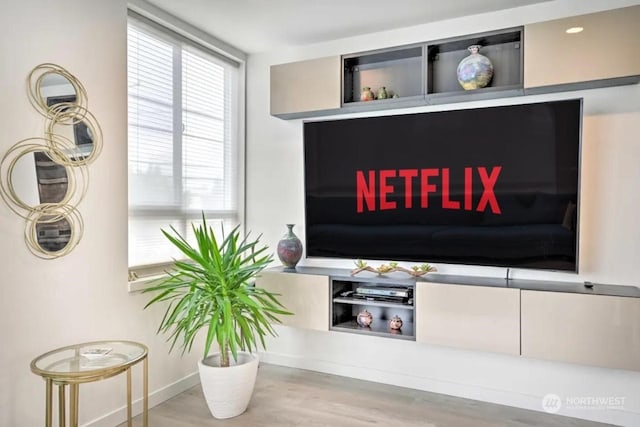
(83, 296)
(610, 234)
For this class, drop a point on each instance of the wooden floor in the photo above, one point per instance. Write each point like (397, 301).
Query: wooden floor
(287, 397)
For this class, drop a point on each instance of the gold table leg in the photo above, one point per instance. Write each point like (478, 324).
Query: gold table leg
(73, 409)
(48, 422)
(129, 422)
(145, 392)
(61, 406)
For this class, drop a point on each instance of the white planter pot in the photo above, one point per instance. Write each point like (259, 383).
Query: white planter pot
(228, 390)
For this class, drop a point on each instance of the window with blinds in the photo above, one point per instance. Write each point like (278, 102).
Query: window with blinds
(183, 147)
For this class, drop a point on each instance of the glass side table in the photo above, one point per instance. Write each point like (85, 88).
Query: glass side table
(88, 362)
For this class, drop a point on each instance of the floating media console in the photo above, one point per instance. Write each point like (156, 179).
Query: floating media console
(561, 321)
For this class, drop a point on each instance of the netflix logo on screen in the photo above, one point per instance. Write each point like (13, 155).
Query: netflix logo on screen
(390, 189)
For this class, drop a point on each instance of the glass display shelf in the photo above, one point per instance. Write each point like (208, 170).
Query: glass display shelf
(379, 329)
(372, 302)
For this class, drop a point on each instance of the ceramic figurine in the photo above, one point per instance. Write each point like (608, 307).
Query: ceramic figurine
(367, 94)
(395, 323)
(382, 93)
(364, 318)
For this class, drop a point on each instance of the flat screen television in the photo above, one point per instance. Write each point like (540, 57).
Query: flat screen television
(495, 186)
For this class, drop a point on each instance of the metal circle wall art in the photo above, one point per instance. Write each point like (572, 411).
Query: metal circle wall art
(72, 139)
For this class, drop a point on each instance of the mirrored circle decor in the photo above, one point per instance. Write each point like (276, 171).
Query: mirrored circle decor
(53, 182)
(43, 179)
(49, 239)
(50, 80)
(77, 123)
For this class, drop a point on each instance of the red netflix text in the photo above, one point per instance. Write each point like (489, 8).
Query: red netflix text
(427, 181)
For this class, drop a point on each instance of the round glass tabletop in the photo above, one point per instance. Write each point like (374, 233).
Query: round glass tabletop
(88, 359)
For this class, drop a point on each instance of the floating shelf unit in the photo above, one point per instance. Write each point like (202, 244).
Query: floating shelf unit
(345, 309)
(537, 58)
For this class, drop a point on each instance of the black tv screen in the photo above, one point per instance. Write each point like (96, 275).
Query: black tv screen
(491, 186)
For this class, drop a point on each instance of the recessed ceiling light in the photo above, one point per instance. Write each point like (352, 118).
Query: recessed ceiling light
(574, 30)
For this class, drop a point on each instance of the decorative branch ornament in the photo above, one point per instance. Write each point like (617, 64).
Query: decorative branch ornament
(415, 271)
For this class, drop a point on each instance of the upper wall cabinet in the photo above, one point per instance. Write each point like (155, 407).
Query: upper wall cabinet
(537, 58)
(305, 86)
(595, 50)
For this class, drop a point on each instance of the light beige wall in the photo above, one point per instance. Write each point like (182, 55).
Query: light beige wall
(83, 296)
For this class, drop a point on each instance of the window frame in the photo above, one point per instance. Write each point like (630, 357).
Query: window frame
(181, 36)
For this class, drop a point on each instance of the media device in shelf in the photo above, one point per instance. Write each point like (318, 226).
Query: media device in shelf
(383, 301)
(383, 291)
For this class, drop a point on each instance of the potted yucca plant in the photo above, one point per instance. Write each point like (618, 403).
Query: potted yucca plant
(213, 290)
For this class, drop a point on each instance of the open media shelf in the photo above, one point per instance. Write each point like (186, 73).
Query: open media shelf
(383, 298)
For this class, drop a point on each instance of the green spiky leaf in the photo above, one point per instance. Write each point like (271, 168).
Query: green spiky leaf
(214, 289)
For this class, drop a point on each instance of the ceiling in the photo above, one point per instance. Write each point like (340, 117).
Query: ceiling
(262, 25)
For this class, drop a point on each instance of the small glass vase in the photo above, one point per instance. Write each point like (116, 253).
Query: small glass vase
(289, 248)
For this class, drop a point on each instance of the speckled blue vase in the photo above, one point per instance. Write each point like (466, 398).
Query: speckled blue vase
(290, 248)
(475, 71)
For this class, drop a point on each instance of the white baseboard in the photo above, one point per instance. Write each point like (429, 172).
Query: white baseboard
(468, 391)
(119, 416)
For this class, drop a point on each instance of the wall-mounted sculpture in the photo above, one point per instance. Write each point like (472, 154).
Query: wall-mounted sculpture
(43, 179)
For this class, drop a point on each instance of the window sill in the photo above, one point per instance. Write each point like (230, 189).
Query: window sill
(140, 284)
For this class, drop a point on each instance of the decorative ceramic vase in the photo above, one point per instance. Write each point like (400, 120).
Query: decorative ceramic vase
(289, 248)
(364, 318)
(395, 323)
(475, 71)
(367, 94)
(382, 93)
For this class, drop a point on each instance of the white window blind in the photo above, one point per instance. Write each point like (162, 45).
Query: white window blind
(183, 148)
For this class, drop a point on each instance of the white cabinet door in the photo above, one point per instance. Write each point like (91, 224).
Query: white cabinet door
(469, 317)
(587, 329)
(306, 295)
(607, 48)
(305, 86)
